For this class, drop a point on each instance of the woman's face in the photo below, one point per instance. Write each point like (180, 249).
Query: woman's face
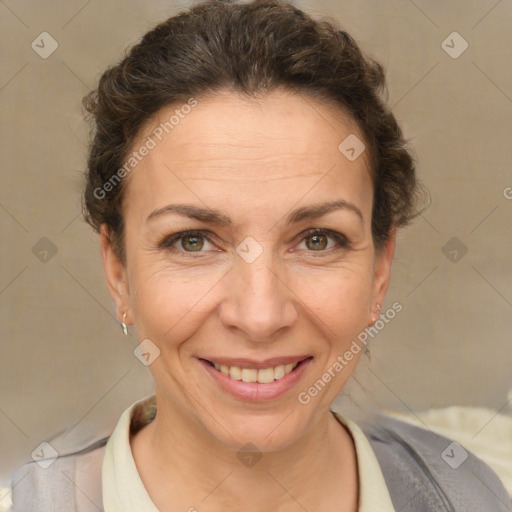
(252, 289)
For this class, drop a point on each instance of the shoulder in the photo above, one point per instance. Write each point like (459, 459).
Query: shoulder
(69, 481)
(69, 476)
(427, 471)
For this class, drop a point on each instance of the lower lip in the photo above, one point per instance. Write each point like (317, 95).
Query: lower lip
(254, 391)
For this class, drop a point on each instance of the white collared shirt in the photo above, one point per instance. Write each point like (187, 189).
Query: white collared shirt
(123, 490)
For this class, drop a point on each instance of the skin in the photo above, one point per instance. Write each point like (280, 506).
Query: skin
(255, 161)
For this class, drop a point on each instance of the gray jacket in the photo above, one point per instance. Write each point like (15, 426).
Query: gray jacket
(424, 472)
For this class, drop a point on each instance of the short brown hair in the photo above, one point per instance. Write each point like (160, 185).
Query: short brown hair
(250, 48)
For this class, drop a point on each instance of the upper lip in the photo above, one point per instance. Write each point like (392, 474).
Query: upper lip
(244, 362)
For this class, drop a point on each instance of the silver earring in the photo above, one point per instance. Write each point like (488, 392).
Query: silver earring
(123, 325)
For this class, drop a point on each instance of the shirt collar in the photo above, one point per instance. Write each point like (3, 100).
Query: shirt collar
(123, 490)
(373, 491)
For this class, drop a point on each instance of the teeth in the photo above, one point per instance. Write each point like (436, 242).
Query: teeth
(263, 376)
(279, 372)
(249, 375)
(266, 375)
(235, 372)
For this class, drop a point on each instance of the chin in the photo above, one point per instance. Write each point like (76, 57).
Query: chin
(269, 431)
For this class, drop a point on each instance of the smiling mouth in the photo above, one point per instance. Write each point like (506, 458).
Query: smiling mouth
(261, 375)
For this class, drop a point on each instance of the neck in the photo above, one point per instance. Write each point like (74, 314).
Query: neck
(182, 466)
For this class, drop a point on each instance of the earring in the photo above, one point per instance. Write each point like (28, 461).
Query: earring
(123, 325)
(377, 308)
(367, 349)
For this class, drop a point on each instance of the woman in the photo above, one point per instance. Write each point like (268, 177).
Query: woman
(247, 181)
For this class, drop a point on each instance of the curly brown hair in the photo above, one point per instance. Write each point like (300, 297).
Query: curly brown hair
(250, 48)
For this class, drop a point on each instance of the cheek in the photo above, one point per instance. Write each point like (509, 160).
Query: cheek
(338, 298)
(169, 306)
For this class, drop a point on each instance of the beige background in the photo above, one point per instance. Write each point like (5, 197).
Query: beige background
(65, 365)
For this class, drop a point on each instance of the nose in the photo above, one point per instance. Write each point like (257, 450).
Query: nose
(258, 302)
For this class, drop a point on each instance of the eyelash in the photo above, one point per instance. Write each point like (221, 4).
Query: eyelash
(342, 240)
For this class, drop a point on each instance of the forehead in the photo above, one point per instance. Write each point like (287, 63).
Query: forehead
(229, 145)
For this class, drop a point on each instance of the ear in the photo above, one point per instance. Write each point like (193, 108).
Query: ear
(382, 274)
(116, 276)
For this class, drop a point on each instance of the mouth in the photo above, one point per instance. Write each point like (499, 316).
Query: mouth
(261, 373)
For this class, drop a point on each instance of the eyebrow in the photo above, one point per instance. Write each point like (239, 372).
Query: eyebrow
(212, 216)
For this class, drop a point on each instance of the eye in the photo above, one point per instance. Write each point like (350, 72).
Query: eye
(191, 241)
(319, 240)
